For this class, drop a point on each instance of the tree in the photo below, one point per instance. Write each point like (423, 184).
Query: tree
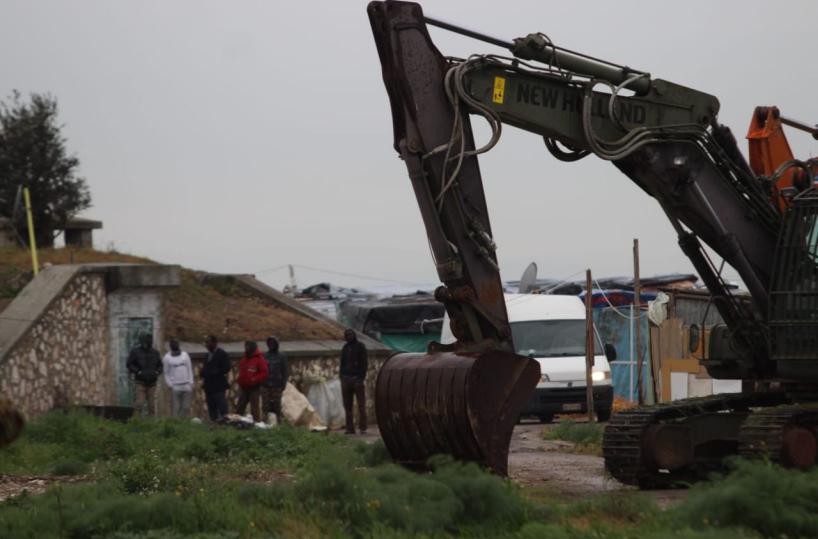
(33, 154)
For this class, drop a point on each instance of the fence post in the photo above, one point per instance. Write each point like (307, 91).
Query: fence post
(589, 346)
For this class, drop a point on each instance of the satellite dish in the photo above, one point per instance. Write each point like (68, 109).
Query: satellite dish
(529, 279)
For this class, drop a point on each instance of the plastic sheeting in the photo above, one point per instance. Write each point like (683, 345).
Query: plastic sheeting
(657, 309)
(616, 327)
(409, 342)
(326, 398)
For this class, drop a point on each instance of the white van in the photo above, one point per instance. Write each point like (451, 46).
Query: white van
(551, 329)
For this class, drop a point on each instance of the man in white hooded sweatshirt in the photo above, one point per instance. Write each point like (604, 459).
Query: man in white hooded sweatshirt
(179, 377)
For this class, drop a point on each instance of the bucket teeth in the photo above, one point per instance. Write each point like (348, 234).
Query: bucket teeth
(463, 405)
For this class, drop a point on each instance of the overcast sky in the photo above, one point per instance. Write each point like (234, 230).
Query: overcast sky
(244, 135)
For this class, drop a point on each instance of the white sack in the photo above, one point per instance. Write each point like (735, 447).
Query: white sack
(327, 401)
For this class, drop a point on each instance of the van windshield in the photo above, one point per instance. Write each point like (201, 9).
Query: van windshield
(551, 338)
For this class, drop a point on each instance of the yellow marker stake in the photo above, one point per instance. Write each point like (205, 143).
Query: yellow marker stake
(32, 243)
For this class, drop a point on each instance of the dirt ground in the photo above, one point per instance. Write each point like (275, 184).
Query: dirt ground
(556, 465)
(11, 486)
(536, 462)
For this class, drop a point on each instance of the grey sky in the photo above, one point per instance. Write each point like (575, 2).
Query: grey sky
(239, 136)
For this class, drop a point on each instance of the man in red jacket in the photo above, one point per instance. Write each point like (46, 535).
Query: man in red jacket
(252, 372)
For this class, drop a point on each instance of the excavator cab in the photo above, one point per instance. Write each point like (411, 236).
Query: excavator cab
(794, 291)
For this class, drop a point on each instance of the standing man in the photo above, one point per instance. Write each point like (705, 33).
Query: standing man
(179, 378)
(252, 373)
(353, 373)
(145, 364)
(278, 372)
(214, 378)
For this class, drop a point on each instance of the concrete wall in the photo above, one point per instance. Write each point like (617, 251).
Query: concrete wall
(60, 339)
(63, 357)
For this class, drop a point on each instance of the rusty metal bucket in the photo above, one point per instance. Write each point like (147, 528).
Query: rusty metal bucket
(11, 422)
(463, 405)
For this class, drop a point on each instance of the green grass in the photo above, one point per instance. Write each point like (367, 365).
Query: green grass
(585, 434)
(170, 479)
(81, 437)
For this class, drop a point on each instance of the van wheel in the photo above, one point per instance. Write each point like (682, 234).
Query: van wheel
(603, 415)
(546, 418)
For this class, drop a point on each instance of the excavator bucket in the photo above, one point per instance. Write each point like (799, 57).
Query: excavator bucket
(11, 422)
(463, 405)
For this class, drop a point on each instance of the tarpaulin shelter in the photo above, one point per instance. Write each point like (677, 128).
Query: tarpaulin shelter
(404, 323)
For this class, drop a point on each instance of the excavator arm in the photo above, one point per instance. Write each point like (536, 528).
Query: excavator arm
(463, 399)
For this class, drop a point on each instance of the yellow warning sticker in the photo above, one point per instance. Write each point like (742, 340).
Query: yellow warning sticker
(499, 94)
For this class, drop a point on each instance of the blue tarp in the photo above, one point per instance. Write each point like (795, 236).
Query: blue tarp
(615, 327)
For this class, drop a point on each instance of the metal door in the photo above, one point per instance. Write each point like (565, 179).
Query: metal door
(130, 329)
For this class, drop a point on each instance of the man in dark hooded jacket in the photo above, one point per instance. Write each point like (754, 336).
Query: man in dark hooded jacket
(354, 365)
(278, 372)
(214, 378)
(145, 364)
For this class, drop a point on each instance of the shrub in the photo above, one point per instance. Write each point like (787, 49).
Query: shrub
(760, 496)
(374, 453)
(623, 506)
(486, 499)
(335, 489)
(143, 474)
(454, 496)
(69, 466)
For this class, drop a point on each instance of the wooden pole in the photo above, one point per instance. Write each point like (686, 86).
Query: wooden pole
(636, 312)
(589, 346)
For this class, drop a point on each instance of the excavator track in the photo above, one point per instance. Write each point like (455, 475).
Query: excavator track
(623, 444)
(778, 435)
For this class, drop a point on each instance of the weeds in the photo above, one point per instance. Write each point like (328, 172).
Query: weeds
(768, 499)
(171, 479)
(585, 434)
(69, 466)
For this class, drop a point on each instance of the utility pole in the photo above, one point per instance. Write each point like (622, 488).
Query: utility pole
(589, 346)
(292, 280)
(636, 312)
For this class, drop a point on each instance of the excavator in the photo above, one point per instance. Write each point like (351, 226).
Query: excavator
(760, 216)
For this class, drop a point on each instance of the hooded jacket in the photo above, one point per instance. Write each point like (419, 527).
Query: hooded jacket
(178, 371)
(278, 371)
(353, 359)
(145, 364)
(252, 370)
(215, 370)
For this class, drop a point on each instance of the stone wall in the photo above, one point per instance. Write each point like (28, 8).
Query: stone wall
(63, 358)
(304, 371)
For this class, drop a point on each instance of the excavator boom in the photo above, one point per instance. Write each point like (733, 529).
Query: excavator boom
(759, 217)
